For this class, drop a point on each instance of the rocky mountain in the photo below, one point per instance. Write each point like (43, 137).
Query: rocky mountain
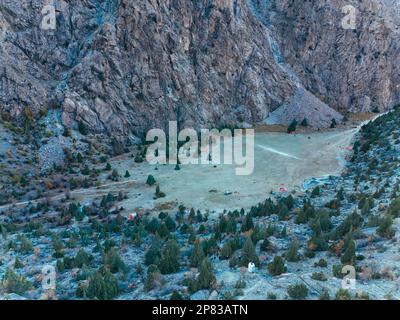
(124, 66)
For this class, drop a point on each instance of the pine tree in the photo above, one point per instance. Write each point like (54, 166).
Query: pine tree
(192, 216)
(82, 128)
(249, 253)
(150, 180)
(113, 261)
(102, 287)
(292, 255)
(159, 193)
(349, 254)
(226, 251)
(206, 277)
(153, 255)
(170, 258)
(304, 123)
(277, 266)
(127, 174)
(197, 255)
(248, 223)
(153, 275)
(292, 127)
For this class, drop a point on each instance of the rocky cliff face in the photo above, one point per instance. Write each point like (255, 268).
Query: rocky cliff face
(124, 66)
(349, 69)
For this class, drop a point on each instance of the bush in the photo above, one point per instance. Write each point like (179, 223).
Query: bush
(14, 283)
(319, 276)
(324, 295)
(342, 294)
(298, 291)
(25, 245)
(385, 228)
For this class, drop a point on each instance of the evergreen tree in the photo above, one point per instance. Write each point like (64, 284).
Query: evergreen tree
(175, 296)
(206, 277)
(349, 254)
(153, 255)
(102, 288)
(304, 123)
(197, 255)
(226, 251)
(82, 128)
(127, 174)
(82, 259)
(292, 254)
(249, 253)
(192, 216)
(150, 180)
(277, 266)
(248, 223)
(153, 275)
(170, 258)
(385, 228)
(113, 261)
(292, 127)
(316, 192)
(159, 193)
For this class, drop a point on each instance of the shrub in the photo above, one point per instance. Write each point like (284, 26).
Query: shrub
(319, 276)
(25, 245)
(385, 228)
(298, 291)
(343, 294)
(14, 283)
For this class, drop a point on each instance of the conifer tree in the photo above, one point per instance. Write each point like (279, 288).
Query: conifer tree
(226, 251)
(249, 253)
(292, 255)
(277, 266)
(206, 277)
(197, 255)
(170, 258)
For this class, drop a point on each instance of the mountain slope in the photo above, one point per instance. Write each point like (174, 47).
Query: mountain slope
(124, 66)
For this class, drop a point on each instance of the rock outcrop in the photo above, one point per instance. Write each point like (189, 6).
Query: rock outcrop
(125, 66)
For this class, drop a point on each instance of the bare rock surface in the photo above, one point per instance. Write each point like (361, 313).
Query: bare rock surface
(125, 66)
